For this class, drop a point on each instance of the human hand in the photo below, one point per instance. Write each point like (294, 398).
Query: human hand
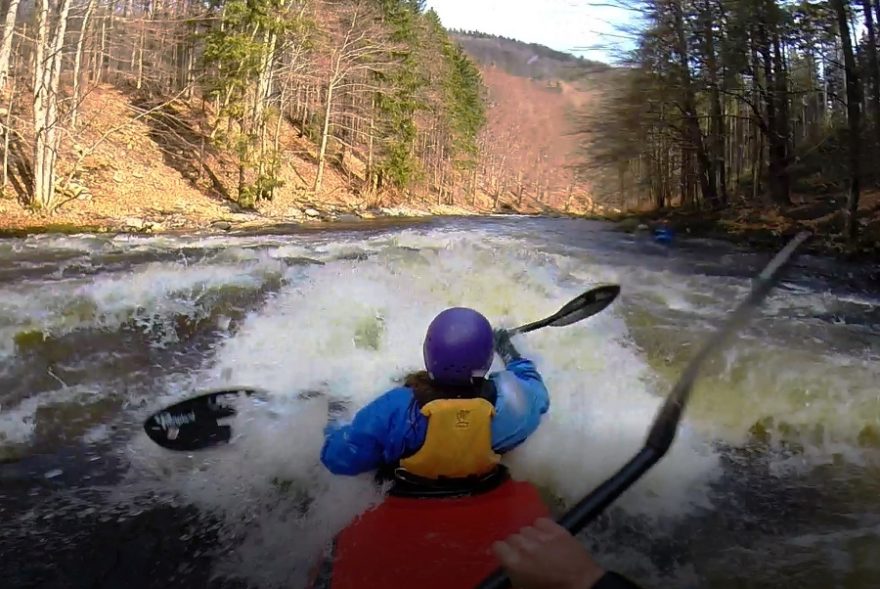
(504, 346)
(546, 556)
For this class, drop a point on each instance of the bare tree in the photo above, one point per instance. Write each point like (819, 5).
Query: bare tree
(77, 62)
(47, 75)
(357, 47)
(853, 107)
(6, 42)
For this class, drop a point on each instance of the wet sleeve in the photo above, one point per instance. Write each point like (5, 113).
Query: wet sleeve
(374, 437)
(522, 400)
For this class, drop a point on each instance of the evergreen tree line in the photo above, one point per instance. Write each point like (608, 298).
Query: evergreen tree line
(741, 103)
(375, 80)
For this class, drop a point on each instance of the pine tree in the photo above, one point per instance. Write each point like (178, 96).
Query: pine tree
(241, 54)
(399, 100)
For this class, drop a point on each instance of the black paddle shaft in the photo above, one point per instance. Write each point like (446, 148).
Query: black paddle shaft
(663, 430)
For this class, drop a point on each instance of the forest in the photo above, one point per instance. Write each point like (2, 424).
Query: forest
(378, 82)
(769, 107)
(745, 103)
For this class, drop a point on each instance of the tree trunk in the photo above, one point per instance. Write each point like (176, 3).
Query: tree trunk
(276, 140)
(140, 52)
(189, 79)
(242, 183)
(684, 177)
(325, 135)
(99, 62)
(873, 67)
(519, 189)
(783, 132)
(6, 42)
(474, 180)
(876, 4)
(77, 63)
(717, 116)
(7, 135)
(757, 164)
(826, 112)
(369, 174)
(853, 100)
(47, 73)
(777, 166)
(689, 107)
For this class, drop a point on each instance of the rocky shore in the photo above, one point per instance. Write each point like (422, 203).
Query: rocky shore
(236, 219)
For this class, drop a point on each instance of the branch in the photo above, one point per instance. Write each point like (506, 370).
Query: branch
(91, 149)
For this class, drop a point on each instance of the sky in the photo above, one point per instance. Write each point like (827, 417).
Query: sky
(574, 26)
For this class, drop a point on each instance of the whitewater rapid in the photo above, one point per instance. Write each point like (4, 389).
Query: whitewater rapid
(343, 314)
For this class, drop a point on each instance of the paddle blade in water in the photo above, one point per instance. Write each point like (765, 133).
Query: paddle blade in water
(194, 424)
(587, 304)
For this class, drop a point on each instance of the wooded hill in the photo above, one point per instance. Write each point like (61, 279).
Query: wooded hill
(377, 86)
(529, 147)
(525, 60)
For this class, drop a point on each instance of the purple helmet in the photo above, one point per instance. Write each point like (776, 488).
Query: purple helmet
(458, 346)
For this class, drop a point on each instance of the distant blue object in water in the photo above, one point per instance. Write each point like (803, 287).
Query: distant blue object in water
(664, 235)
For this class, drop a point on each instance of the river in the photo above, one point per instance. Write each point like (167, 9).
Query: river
(772, 482)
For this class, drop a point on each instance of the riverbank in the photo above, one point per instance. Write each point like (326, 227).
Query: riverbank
(769, 229)
(750, 228)
(25, 224)
(139, 167)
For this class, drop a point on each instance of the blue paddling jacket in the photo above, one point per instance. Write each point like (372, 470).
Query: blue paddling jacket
(392, 427)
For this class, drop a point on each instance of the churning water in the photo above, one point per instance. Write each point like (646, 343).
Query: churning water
(772, 481)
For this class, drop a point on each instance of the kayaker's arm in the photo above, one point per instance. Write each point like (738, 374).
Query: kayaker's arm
(376, 436)
(522, 397)
(523, 368)
(504, 346)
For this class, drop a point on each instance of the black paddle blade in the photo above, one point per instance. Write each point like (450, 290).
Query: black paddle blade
(578, 309)
(194, 424)
(589, 303)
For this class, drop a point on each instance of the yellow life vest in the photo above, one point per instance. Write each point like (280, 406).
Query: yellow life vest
(458, 442)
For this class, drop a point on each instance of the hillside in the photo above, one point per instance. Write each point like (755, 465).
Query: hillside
(526, 60)
(160, 130)
(150, 167)
(193, 112)
(536, 97)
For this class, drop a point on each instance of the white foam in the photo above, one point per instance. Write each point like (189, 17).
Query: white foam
(258, 486)
(18, 421)
(351, 328)
(159, 289)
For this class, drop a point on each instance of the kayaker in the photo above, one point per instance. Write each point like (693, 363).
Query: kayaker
(450, 421)
(546, 556)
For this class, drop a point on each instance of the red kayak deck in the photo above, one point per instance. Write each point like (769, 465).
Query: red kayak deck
(432, 543)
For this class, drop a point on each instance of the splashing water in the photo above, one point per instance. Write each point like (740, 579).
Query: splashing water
(343, 314)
